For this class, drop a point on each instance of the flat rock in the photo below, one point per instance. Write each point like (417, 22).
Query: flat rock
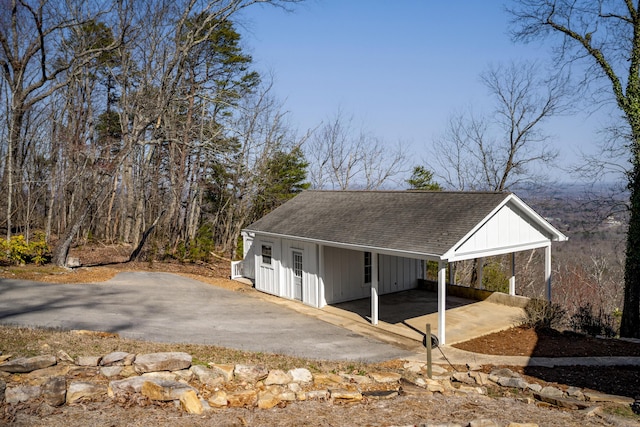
(117, 358)
(164, 390)
(343, 394)
(602, 397)
(463, 377)
(278, 377)
(250, 373)
(225, 370)
(51, 371)
(22, 393)
(357, 379)
(535, 387)
(207, 376)
(126, 386)
(512, 382)
(327, 379)
(80, 390)
(23, 364)
(167, 361)
(160, 376)
(385, 377)
(183, 375)
(110, 371)
(267, 400)
(218, 399)
(301, 375)
(560, 402)
(552, 391)
(431, 385)
(88, 360)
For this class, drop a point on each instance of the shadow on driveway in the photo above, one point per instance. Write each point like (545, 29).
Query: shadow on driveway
(164, 307)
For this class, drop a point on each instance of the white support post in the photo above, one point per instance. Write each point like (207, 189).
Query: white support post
(374, 288)
(452, 274)
(547, 269)
(442, 301)
(512, 279)
(320, 289)
(480, 271)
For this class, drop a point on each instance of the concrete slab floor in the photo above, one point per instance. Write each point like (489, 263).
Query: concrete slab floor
(407, 313)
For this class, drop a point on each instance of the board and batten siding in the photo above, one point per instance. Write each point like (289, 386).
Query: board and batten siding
(344, 275)
(309, 270)
(249, 256)
(398, 274)
(267, 275)
(508, 228)
(277, 278)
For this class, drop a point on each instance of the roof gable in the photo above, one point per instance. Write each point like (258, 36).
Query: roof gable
(420, 222)
(511, 227)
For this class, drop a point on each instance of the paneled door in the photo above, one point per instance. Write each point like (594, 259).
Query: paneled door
(297, 275)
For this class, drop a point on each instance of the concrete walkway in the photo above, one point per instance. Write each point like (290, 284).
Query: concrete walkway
(474, 314)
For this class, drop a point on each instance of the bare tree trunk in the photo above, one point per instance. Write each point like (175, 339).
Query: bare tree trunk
(136, 252)
(61, 251)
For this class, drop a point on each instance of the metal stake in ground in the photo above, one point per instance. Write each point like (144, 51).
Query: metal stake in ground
(428, 345)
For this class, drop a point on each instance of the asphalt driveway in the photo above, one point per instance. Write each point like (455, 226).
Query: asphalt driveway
(164, 307)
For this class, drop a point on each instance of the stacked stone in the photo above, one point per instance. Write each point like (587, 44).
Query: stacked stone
(171, 377)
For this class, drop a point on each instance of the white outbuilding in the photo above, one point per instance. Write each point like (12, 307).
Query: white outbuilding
(326, 247)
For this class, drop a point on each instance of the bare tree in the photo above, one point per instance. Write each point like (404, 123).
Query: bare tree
(342, 158)
(605, 37)
(507, 147)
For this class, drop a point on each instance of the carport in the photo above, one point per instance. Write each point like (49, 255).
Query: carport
(328, 247)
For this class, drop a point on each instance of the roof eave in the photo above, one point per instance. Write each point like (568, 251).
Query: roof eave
(352, 246)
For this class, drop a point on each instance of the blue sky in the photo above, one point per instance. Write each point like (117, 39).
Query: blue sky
(401, 67)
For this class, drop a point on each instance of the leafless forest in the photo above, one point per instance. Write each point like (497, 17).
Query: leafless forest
(144, 124)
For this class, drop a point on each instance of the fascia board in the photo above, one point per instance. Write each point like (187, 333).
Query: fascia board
(355, 247)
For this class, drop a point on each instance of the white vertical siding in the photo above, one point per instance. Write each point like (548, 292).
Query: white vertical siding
(343, 272)
(508, 227)
(309, 270)
(249, 257)
(398, 274)
(267, 276)
(344, 275)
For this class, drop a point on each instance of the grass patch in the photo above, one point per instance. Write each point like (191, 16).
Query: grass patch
(29, 342)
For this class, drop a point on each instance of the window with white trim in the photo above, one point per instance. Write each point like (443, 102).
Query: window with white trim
(367, 267)
(266, 254)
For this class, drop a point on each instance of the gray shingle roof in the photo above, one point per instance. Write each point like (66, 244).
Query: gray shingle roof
(422, 222)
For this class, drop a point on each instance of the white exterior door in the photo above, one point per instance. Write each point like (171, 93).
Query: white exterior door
(297, 275)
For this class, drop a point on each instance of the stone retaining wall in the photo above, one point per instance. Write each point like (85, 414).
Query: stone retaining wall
(171, 377)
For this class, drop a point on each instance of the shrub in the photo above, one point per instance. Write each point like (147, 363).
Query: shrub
(586, 321)
(18, 251)
(542, 314)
